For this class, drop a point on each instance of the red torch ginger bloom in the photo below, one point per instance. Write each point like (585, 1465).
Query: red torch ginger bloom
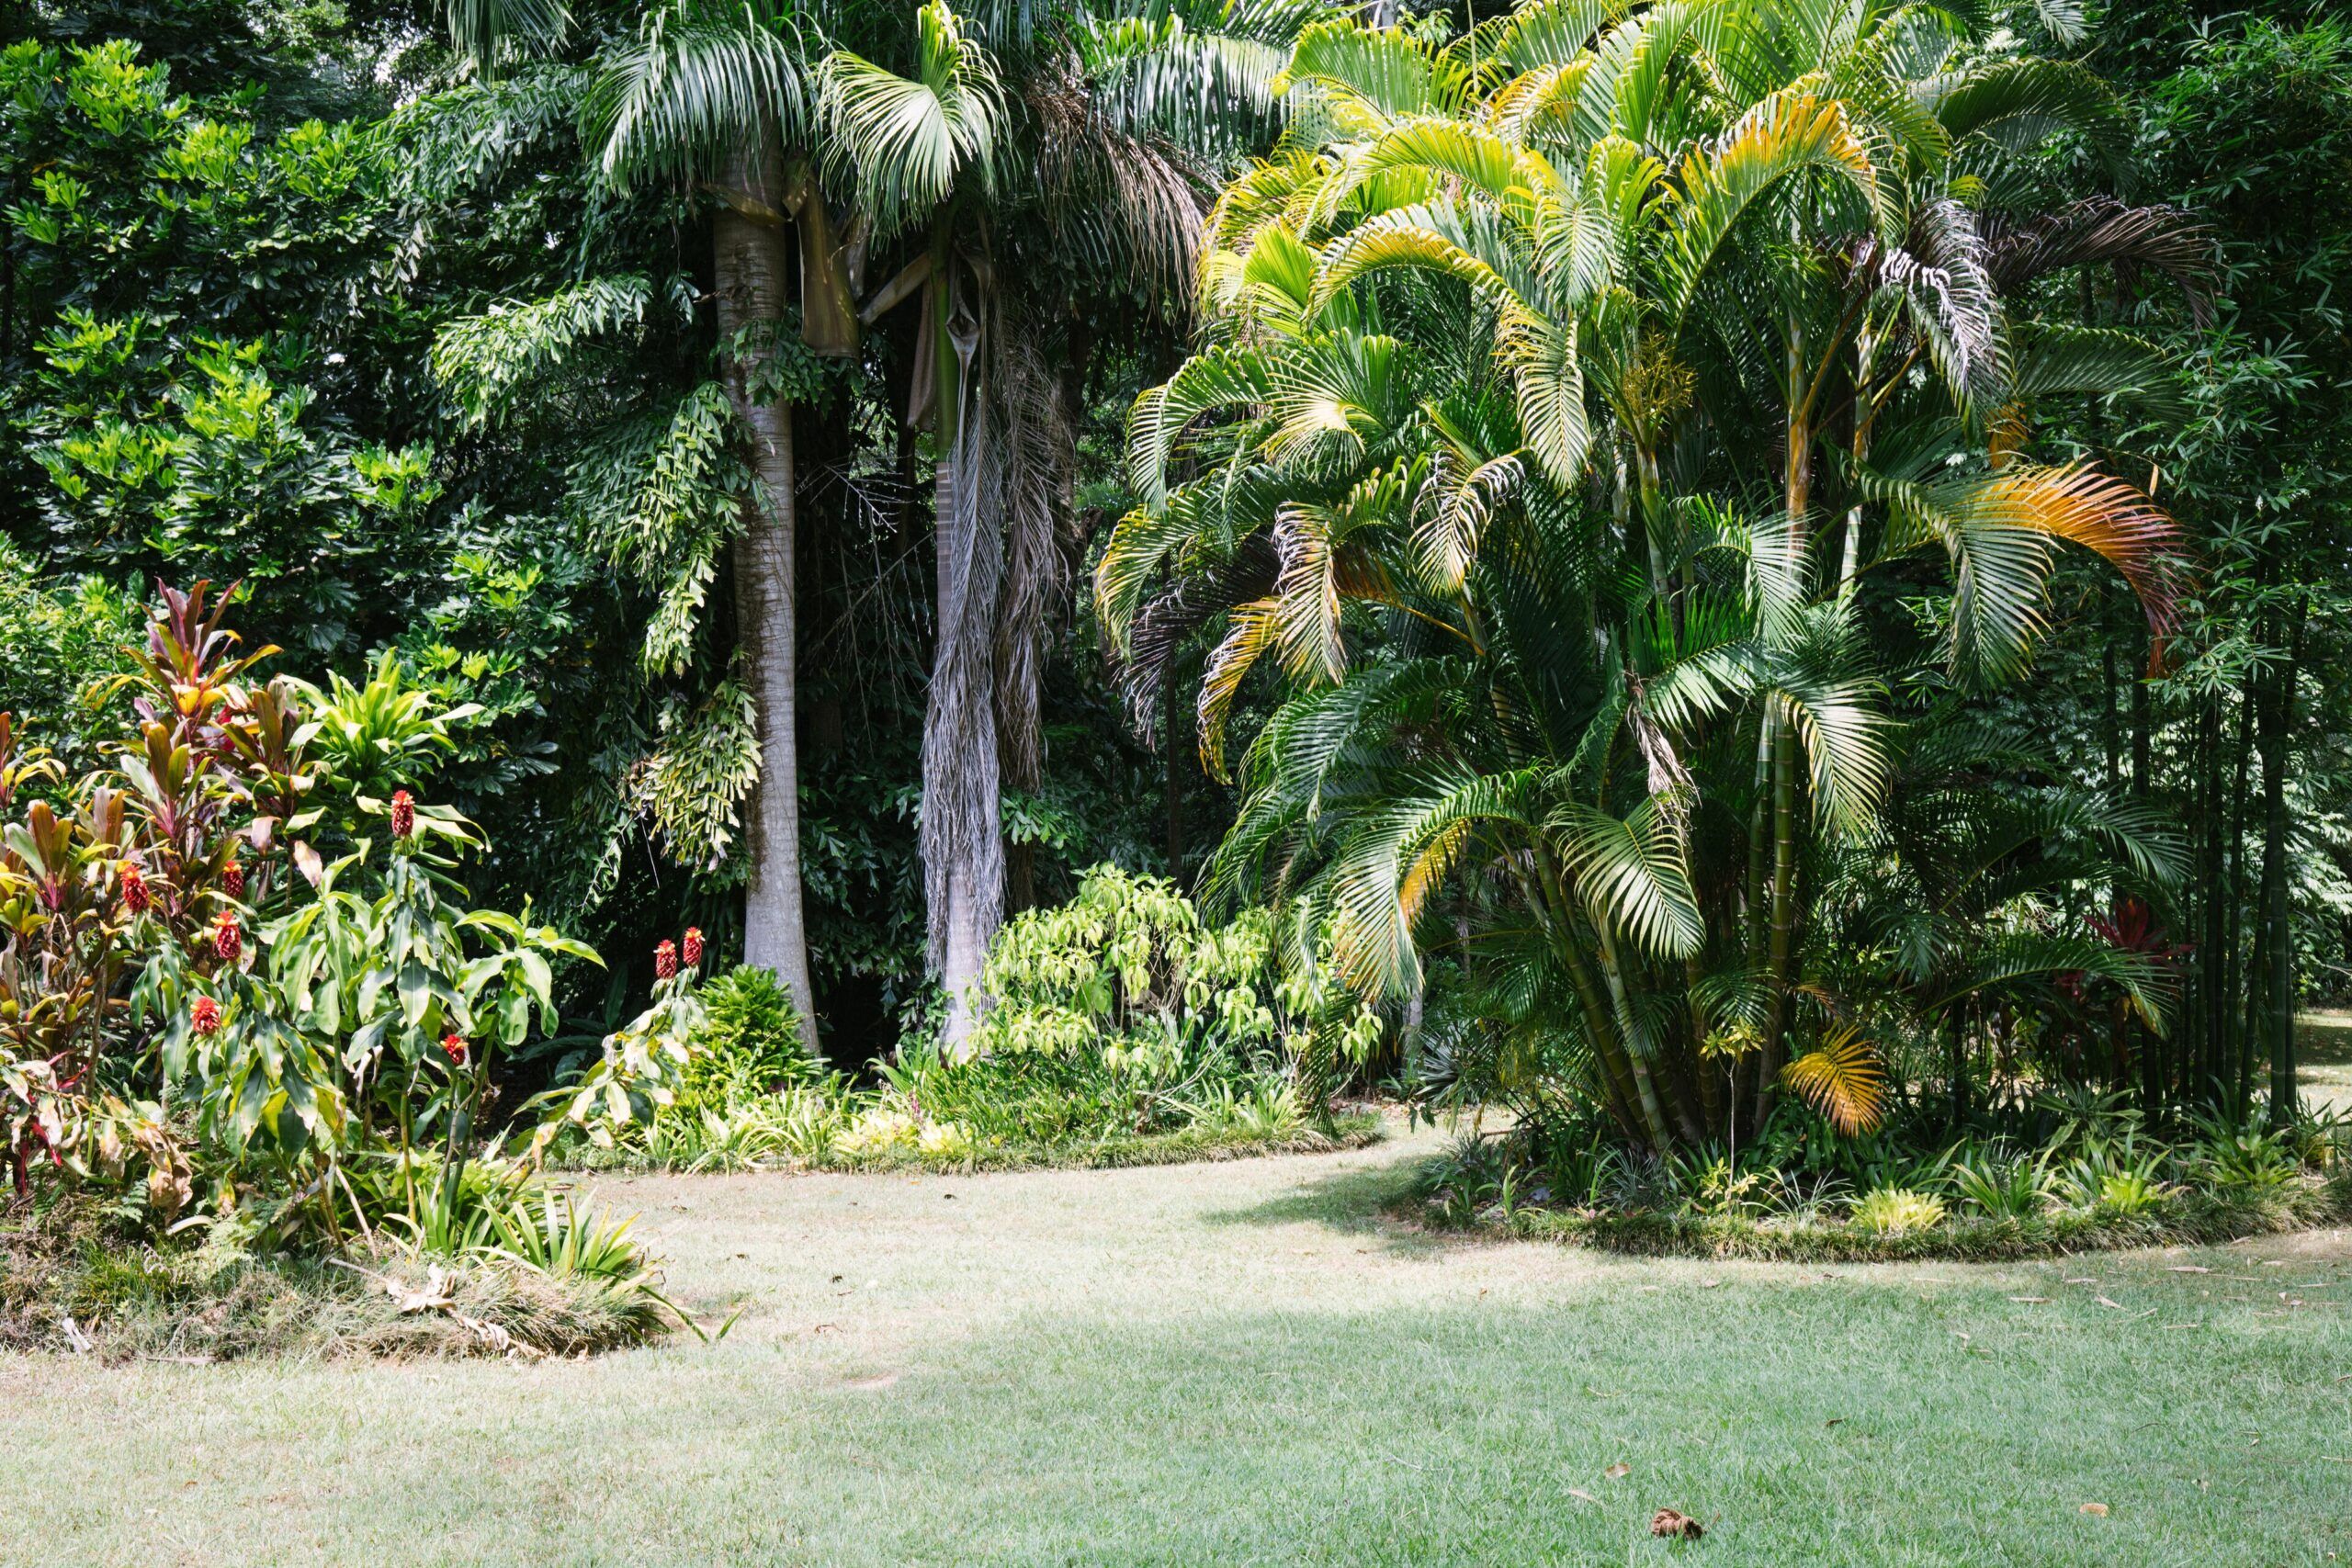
(205, 1016)
(227, 939)
(694, 946)
(232, 880)
(135, 896)
(665, 959)
(404, 814)
(456, 1045)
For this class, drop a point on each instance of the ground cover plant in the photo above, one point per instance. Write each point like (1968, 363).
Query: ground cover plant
(2067, 1174)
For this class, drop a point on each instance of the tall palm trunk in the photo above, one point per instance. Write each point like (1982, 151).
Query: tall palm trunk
(750, 261)
(962, 847)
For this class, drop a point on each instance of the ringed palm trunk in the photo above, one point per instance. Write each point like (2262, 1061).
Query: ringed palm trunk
(749, 259)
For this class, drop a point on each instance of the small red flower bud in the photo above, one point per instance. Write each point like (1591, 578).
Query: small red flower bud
(665, 960)
(135, 896)
(694, 946)
(227, 939)
(456, 1045)
(232, 880)
(205, 1016)
(404, 814)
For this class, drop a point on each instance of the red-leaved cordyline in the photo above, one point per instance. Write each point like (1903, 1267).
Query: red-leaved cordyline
(404, 814)
(227, 939)
(205, 1016)
(135, 896)
(456, 1045)
(232, 880)
(694, 946)
(665, 959)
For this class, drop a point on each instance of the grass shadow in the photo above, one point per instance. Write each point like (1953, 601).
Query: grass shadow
(1355, 1201)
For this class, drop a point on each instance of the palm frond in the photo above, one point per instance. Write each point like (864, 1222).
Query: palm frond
(907, 141)
(1843, 1078)
(697, 81)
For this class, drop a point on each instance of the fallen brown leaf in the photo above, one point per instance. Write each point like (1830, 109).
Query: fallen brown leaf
(1672, 1522)
(2097, 1510)
(2105, 1302)
(2188, 1269)
(2029, 1300)
(1581, 1496)
(1618, 1471)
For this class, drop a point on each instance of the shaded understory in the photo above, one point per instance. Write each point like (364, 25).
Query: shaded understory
(1242, 1363)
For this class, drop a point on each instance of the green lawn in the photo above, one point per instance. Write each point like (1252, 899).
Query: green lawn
(2323, 1057)
(1236, 1363)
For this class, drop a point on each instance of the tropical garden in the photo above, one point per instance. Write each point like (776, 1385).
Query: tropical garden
(1719, 617)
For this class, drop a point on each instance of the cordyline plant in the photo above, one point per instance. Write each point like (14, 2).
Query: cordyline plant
(185, 977)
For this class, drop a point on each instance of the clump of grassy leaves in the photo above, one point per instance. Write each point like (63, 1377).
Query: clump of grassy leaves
(82, 1272)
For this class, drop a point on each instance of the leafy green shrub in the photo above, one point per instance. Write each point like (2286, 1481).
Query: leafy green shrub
(1126, 972)
(748, 1045)
(1897, 1210)
(2112, 1181)
(2012, 1190)
(2258, 1161)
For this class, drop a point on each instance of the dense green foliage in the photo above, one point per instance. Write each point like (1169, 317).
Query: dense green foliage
(1747, 570)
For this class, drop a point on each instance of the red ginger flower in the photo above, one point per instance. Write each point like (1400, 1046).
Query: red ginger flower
(232, 880)
(694, 946)
(404, 814)
(665, 959)
(227, 939)
(135, 896)
(456, 1045)
(205, 1016)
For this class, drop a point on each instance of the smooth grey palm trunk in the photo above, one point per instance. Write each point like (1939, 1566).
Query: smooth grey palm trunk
(750, 261)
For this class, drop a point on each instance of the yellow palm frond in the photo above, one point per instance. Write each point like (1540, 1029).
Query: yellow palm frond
(1250, 632)
(1844, 1079)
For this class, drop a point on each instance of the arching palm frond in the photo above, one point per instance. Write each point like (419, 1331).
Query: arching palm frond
(1785, 136)
(908, 140)
(1399, 849)
(1374, 76)
(2017, 105)
(1997, 530)
(1632, 874)
(2034, 955)
(2102, 231)
(697, 81)
(486, 31)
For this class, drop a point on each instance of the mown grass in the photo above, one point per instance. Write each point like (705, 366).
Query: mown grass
(1244, 1362)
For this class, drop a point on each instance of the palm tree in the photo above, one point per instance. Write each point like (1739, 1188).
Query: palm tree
(1476, 459)
(1067, 145)
(716, 96)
